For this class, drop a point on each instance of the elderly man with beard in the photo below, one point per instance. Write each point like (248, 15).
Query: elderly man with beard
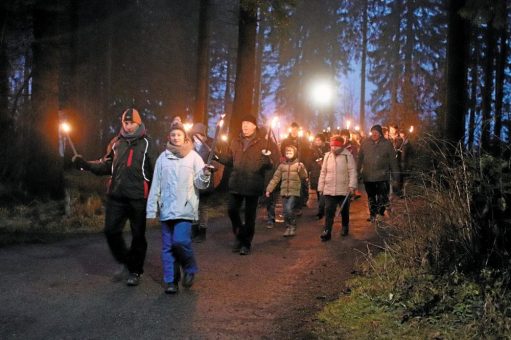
(249, 161)
(130, 163)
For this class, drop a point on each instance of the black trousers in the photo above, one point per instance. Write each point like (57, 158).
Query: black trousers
(331, 203)
(244, 232)
(118, 211)
(378, 196)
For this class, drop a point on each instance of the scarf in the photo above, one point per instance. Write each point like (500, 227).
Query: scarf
(181, 150)
(139, 132)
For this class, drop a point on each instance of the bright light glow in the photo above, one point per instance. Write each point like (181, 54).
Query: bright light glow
(411, 129)
(289, 130)
(300, 133)
(274, 122)
(65, 127)
(187, 126)
(328, 129)
(310, 138)
(221, 122)
(348, 124)
(357, 128)
(224, 138)
(283, 136)
(322, 92)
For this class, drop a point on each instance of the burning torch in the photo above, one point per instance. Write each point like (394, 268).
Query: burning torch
(266, 151)
(66, 128)
(215, 140)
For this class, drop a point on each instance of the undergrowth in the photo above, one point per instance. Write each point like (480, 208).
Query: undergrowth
(444, 271)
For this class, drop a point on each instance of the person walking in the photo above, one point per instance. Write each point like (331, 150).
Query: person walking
(130, 162)
(376, 164)
(289, 175)
(337, 180)
(246, 183)
(178, 175)
(318, 150)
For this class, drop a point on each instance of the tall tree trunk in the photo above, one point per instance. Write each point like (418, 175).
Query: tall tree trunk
(362, 113)
(456, 73)
(396, 74)
(200, 113)
(228, 91)
(5, 120)
(499, 82)
(245, 66)
(258, 68)
(488, 86)
(44, 177)
(474, 82)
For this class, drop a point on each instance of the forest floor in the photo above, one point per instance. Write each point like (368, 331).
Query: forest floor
(63, 289)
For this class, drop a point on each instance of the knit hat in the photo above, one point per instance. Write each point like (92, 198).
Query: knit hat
(378, 128)
(249, 118)
(131, 115)
(336, 140)
(178, 126)
(198, 128)
(292, 147)
(295, 125)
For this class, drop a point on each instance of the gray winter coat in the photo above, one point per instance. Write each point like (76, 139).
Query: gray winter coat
(377, 161)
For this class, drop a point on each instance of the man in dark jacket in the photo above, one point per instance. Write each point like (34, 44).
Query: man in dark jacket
(376, 163)
(246, 183)
(130, 163)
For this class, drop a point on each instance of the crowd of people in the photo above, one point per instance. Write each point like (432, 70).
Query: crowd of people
(177, 185)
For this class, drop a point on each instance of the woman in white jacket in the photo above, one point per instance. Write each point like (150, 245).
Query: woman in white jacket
(337, 180)
(179, 173)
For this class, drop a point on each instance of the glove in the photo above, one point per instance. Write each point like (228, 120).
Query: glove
(80, 163)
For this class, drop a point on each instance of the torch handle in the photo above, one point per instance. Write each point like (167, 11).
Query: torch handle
(72, 145)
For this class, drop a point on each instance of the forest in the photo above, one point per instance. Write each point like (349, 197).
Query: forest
(441, 66)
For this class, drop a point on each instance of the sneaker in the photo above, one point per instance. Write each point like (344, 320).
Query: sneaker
(120, 274)
(287, 232)
(245, 251)
(171, 288)
(188, 280)
(292, 231)
(133, 279)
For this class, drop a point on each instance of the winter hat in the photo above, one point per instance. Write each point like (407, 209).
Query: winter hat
(178, 126)
(295, 125)
(249, 118)
(198, 128)
(321, 136)
(131, 115)
(345, 132)
(336, 140)
(292, 147)
(378, 128)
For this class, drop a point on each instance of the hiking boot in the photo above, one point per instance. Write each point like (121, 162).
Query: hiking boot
(319, 216)
(120, 274)
(326, 235)
(133, 279)
(244, 250)
(236, 247)
(171, 288)
(344, 231)
(270, 225)
(188, 280)
(292, 231)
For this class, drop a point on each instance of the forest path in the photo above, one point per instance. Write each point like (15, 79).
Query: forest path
(63, 290)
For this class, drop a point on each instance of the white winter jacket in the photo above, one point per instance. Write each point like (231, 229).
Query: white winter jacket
(338, 174)
(174, 189)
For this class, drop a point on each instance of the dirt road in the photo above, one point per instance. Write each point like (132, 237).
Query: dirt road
(63, 290)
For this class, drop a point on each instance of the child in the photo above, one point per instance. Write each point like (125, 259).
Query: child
(337, 179)
(178, 174)
(289, 174)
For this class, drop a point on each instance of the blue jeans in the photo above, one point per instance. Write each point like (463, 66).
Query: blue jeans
(288, 203)
(176, 249)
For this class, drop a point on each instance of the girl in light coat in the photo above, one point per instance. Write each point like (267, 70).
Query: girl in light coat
(337, 180)
(178, 175)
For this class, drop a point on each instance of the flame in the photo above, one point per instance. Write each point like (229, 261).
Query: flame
(300, 133)
(348, 124)
(224, 137)
(187, 126)
(310, 138)
(357, 128)
(65, 127)
(411, 129)
(274, 121)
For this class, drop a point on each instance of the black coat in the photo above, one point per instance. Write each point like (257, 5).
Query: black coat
(248, 166)
(130, 162)
(316, 154)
